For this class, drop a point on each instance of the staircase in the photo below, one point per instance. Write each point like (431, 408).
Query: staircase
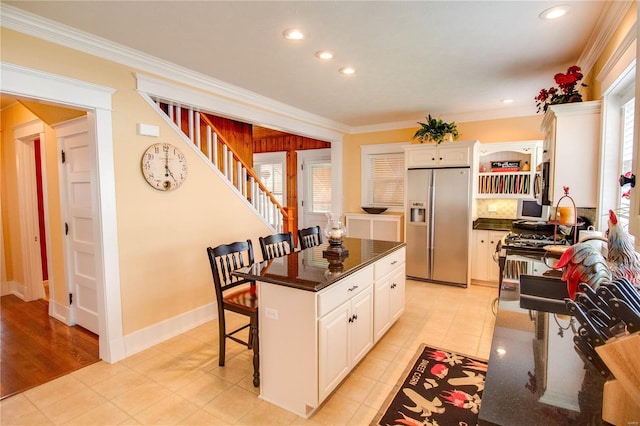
(197, 127)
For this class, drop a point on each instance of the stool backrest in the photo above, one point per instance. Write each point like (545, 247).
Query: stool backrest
(310, 237)
(276, 245)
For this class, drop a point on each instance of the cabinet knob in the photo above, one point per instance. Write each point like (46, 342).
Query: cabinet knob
(482, 241)
(440, 158)
(433, 158)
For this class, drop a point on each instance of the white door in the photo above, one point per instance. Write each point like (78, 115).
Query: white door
(78, 210)
(314, 187)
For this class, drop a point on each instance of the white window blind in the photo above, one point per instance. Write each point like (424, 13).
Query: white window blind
(385, 183)
(271, 177)
(320, 187)
(627, 112)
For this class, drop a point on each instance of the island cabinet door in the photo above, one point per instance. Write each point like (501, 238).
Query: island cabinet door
(346, 335)
(333, 348)
(361, 326)
(396, 295)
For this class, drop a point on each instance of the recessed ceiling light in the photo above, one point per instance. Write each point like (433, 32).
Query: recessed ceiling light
(324, 54)
(293, 34)
(554, 12)
(347, 71)
(507, 101)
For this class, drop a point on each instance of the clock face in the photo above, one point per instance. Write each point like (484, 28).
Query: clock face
(164, 166)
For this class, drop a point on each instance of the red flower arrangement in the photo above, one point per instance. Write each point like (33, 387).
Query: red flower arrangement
(567, 89)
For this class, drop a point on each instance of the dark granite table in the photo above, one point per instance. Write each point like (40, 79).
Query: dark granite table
(535, 376)
(310, 270)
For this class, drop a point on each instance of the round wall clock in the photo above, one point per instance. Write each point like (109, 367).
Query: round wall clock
(164, 166)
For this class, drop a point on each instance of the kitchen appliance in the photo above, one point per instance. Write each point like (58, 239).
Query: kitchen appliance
(438, 222)
(530, 209)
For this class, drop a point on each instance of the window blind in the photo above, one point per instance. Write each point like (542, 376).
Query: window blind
(320, 174)
(386, 180)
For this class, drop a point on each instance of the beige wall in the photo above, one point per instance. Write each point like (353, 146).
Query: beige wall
(162, 237)
(487, 131)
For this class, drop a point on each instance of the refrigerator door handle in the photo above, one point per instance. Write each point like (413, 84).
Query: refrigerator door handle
(430, 236)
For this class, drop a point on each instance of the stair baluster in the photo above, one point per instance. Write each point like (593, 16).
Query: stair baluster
(232, 167)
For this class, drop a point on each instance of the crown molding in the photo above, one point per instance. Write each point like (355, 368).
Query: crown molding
(55, 32)
(611, 17)
(463, 117)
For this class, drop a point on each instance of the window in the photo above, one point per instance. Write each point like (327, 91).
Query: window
(319, 187)
(270, 169)
(627, 119)
(383, 173)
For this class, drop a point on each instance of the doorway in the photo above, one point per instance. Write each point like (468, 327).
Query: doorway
(39, 86)
(314, 187)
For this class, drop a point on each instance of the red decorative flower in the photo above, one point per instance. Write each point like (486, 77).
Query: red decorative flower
(567, 89)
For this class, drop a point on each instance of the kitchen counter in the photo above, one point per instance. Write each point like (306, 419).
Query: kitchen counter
(318, 319)
(535, 376)
(493, 224)
(308, 270)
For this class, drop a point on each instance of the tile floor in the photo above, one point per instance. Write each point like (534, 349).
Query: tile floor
(179, 381)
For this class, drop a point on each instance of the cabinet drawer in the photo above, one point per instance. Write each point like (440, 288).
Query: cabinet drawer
(389, 263)
(343, 290)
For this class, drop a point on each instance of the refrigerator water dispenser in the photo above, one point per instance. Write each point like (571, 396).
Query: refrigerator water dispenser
(417, 211)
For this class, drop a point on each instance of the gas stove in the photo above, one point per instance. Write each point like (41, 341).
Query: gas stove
(530, 241)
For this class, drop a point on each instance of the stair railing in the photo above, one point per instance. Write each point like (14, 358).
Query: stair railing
(207, 138)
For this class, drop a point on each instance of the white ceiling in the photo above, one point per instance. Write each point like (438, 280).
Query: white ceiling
(446, 58)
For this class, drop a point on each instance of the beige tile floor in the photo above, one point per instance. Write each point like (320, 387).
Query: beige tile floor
(179, 381)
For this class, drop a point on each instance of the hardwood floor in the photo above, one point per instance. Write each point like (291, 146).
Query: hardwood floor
(35, 348)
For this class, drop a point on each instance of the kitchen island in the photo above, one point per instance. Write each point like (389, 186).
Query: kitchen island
(318, 319)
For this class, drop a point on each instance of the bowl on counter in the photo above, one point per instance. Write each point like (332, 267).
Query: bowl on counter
(374, 210)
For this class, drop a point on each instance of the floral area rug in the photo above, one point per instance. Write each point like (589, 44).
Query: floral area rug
(438, 388)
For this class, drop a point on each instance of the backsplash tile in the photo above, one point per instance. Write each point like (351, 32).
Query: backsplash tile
(496, 208)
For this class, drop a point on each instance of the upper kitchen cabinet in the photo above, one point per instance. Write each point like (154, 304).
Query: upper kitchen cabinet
(570, 151)
(447, 154)
(508, 169)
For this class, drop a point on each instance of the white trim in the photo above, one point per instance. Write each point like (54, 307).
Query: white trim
(246, 111)
(609, 21)
(25, 82)
(162, 331)
(12, 287)
(25, 135)
(620, 61)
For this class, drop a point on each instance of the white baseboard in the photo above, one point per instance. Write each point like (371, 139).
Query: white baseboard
(60, 312)
(158, 333)
(12, 287)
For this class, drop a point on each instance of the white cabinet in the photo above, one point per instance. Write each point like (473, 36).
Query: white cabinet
(389, 290)
(310, 341)
(439, 155)
(483, 267)
(517, 182)
(571, 145)
(385, 227)
(389, 301)
(345, 336)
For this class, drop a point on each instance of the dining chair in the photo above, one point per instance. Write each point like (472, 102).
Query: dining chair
(276, 245)
(236, 295)
(310, 237)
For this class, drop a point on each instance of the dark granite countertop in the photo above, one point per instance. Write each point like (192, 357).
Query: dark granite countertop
(493, 224)
(535, 376)
(308, 270)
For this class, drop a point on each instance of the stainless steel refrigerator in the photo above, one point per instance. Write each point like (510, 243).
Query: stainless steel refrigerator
(438, 225)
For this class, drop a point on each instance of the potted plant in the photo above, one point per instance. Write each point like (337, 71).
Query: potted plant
(436, 130)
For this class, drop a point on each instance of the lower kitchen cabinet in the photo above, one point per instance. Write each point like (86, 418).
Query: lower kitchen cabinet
(483, 266)
(389, 291)
(345, 338)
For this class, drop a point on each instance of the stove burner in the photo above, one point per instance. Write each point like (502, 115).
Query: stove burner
(530, 240)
